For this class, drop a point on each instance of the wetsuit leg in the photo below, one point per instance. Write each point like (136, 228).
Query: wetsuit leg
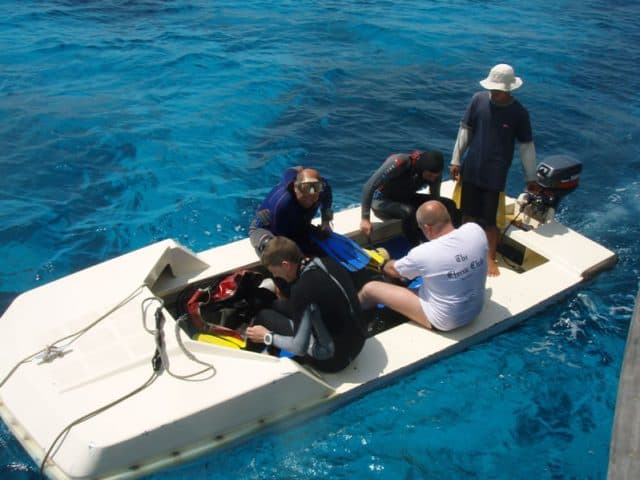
(346, 349)
(273, 320)
(406, 213)
(283, 307)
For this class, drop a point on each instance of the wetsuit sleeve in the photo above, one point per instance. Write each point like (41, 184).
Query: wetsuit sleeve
(311, 338)
(263, 219)
(266, 216)
(389, 169)
(279, 203)
(297, 344)
(259, 237)
(269, 215)
(259, 229)
(326, 202)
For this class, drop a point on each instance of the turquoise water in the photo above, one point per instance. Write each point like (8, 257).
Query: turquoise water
(125, 122)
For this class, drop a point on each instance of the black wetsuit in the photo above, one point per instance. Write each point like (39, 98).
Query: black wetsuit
(321, 321)
(391, 193)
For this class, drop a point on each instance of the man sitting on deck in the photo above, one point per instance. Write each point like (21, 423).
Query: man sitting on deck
(321, 321)
(453, 267)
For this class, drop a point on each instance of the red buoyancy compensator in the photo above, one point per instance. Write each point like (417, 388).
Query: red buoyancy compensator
(228, 304)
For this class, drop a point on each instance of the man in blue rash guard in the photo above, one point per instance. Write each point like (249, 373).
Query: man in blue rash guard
(391, 192)
(321, 321)
(290, 207)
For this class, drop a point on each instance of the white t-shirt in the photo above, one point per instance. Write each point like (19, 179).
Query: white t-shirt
(454, 272)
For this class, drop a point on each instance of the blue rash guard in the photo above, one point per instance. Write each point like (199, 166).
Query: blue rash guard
(281, 215)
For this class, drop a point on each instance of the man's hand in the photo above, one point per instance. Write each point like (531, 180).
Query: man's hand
(533, 187)
(320, 231)
(256, 333)
(454, 171)
(366, 228)
(389, 269)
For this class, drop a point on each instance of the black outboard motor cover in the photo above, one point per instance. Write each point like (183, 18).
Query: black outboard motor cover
(557, 176)
(560, 173)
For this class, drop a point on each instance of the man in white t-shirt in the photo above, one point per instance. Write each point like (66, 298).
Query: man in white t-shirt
(453, 267)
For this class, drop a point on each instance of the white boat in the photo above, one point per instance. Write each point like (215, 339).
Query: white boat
(59, 406)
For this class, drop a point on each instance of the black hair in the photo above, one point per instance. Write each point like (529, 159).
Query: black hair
(431, 161)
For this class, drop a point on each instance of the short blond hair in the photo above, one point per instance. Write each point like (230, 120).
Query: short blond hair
(280, 249)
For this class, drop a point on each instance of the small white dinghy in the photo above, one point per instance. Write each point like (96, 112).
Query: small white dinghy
(79, 391)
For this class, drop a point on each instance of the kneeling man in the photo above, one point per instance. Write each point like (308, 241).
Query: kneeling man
(453, 267)
(321, 321)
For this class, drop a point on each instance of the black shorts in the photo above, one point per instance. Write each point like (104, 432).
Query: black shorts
(479, 204)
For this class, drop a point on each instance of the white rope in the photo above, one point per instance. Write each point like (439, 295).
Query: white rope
(160, 360)
(191, 356)
(52, 351)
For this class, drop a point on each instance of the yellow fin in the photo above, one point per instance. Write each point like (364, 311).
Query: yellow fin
(222, 340)
(378, 257)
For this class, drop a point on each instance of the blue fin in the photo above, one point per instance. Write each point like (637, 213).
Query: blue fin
(343, 250)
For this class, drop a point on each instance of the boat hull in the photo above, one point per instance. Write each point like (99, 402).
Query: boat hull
(140, 420)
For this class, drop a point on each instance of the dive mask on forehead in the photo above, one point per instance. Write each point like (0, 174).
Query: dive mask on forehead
(309, 187)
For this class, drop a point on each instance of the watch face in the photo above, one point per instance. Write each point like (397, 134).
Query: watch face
(268, 339)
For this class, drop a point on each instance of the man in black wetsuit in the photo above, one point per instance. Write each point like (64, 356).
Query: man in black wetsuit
(391, 191)
(321, 321)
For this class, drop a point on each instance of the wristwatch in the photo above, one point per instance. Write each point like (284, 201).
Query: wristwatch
(268, 338)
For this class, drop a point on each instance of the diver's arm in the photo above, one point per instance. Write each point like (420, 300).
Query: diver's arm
(528, 158)
(462, 142)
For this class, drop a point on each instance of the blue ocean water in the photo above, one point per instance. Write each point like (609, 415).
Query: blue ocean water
(126, 122)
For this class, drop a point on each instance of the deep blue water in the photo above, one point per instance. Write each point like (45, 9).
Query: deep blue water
(125, 122)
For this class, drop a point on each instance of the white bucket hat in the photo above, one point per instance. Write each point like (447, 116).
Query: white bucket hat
(502, 77)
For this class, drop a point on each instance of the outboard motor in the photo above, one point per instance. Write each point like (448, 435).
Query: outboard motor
(557, 176)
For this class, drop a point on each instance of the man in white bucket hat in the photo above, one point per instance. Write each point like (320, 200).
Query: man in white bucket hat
(491, 124)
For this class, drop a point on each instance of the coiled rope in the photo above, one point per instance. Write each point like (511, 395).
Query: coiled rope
(159, 360)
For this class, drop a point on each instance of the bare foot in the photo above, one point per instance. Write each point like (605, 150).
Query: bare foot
(493, 270)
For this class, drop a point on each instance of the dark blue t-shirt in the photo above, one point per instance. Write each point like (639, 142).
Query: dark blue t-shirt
(493, 132)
